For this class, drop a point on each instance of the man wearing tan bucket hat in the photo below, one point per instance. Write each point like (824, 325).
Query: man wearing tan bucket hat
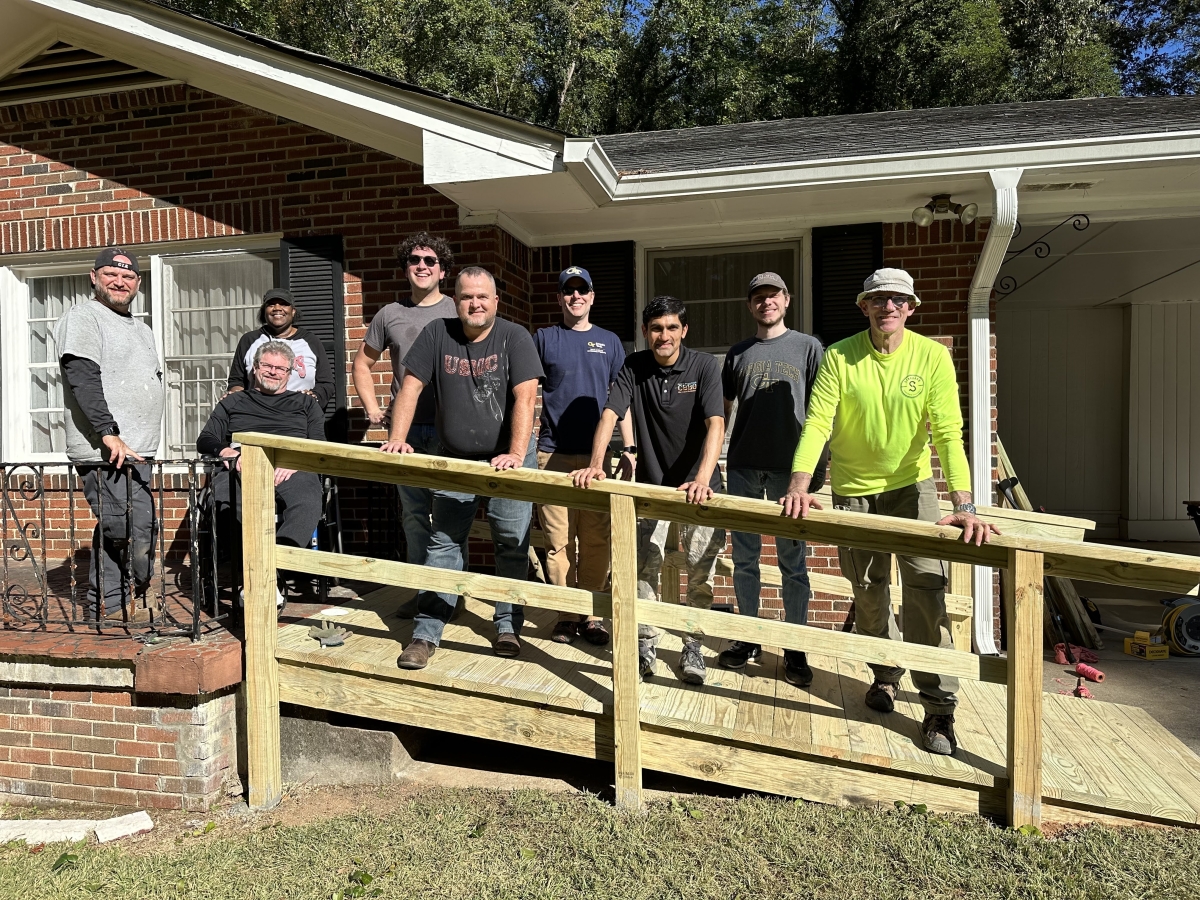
(871, 400)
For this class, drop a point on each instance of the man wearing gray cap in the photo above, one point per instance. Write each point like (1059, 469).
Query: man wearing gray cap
(769, 377)
(874, 394)
(113, 394)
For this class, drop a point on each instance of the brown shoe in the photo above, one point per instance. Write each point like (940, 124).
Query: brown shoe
(507, 644)
(937, 734)
(881, 696)
(416, 655)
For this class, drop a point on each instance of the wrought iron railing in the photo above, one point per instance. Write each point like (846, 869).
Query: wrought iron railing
(45, 525)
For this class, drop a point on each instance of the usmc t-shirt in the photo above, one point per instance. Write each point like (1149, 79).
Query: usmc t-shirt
(670, 406)
(472, 382)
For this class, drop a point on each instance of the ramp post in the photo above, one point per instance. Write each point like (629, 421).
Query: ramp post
(262, 672)
(627, 752)
(1023, 604)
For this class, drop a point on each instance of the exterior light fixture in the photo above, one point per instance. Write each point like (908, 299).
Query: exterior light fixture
(939, 205)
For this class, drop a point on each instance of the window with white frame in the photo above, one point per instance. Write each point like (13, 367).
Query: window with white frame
(198, 304)
(712, 282)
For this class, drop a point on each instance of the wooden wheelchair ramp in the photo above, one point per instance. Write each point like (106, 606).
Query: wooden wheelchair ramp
(749, 729)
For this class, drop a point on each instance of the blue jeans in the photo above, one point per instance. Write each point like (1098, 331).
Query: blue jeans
(747, 548)
(417, 503)
(453, 514)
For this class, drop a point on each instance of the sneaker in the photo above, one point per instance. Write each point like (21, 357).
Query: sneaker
(691, 663)
(416, 654)
(279, 601)
(738, 654)
(795, 668)
(937, 734)
(881, 696)
(647, 656)
(565, 631)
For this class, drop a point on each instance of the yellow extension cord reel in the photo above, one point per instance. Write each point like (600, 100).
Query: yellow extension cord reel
(1181, 626)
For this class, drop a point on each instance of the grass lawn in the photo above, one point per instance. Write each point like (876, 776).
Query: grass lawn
(453, 843)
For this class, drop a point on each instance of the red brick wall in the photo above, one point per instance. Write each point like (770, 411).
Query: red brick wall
(115, 747)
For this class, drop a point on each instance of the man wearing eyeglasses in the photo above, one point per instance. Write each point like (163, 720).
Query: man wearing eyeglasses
(269, 407)
(113, 394)
(874, 393)
(426, 260)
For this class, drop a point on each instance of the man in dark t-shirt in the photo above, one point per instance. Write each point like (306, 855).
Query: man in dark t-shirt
(484, 373)
(679, 425)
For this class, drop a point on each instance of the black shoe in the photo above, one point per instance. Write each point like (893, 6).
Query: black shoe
(937, 734)
(795, 668)
(881, 696)
(738, 654)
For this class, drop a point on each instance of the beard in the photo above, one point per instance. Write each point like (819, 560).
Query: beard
(102, 294)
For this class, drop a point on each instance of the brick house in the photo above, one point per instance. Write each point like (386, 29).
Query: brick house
(231, 164)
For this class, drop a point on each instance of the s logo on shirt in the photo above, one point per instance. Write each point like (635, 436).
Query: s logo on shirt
(912, 386)
(300, 366)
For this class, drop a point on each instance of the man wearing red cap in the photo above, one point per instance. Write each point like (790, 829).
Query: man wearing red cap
(113, 394)
(874, 393)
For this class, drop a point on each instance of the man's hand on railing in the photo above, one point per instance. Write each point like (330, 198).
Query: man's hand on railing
(397, 447)
(507, 461)
(975, 530)
(584, 477)
(696, 491)
(796, 504)
(281, 475)
(118, 450)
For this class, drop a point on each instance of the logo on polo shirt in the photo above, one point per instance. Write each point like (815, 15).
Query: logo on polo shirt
(687, 387)
(912, 386)
(596, 347)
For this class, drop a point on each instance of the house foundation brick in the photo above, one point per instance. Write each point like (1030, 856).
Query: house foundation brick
(182, 755)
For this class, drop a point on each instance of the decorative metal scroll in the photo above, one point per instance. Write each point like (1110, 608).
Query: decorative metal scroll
(1041, 249)
(45, 568)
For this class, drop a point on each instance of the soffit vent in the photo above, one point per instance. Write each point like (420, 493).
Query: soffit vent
(63, 71)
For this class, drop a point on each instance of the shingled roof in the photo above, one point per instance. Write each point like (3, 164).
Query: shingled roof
(904, 131)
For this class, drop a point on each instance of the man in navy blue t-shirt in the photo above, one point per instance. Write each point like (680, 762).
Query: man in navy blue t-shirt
(581, 361)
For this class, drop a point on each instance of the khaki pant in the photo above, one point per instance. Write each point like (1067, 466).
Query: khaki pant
(924, 587)
(701, 544)
(577, 550)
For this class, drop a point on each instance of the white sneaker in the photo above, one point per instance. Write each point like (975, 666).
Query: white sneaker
(279, 601)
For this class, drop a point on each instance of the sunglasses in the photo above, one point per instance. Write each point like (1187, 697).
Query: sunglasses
(881, 302)
(416, 260)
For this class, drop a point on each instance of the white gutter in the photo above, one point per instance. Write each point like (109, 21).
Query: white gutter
(995, 245)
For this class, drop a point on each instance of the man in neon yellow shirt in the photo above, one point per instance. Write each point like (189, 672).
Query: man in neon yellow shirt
(871, 400)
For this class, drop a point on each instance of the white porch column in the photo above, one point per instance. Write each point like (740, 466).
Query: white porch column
(1004, 223)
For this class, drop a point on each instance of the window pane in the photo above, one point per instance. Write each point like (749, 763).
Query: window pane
(713, 285)
(211, 301)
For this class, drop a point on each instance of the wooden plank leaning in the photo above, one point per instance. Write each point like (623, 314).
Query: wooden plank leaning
(262, 673)
(1023, 604)
(627, 680)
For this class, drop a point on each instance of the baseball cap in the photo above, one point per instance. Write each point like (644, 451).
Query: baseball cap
(108, 257)
(767, 278)
(574, 272)
(895, 281)
(278, 295)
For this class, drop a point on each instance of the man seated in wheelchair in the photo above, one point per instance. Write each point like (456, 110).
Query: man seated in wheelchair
(268, 407)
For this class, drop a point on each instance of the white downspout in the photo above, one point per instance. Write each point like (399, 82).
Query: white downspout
(1004, 223)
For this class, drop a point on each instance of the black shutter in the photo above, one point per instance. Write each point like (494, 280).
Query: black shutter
(844, 256)
(311, 268)
(611, 267)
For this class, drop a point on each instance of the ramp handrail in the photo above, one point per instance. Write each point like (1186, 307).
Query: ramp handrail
(1027, 559)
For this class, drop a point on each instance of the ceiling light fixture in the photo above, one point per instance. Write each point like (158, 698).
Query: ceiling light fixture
(940, 205)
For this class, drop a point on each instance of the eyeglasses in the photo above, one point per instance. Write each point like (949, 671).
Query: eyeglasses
(266, 367)
(581, 291)
(898, 301)
(416, 260)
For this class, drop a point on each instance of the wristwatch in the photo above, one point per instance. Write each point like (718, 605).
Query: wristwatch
(631, 450)
(111, 429)
(968, 508)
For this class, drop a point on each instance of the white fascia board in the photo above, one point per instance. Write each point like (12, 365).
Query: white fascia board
(495, 218)
(586, 160)
(319, 96)
(450, 161)
(1139, 149)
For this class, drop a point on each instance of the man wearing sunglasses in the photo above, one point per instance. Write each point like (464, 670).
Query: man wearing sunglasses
(874, 394)
(427, 260)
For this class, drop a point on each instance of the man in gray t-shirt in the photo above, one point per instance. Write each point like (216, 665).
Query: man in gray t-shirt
(113, 394)
(426, 260)
(770, 377)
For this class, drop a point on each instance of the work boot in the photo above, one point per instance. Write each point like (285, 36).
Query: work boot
(795, 668)
(737, 654)
(647, 656)
(691, 663)
(937, 734)
(881, 696)
(416, 654)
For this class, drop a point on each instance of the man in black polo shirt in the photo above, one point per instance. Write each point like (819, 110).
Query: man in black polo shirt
(679, 423)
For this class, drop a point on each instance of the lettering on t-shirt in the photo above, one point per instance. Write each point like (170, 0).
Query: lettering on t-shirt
(764, 374)
(687, 387)
(467, 367)
(596, 347)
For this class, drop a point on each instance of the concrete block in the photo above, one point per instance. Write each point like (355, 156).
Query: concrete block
(123, 826)
(46, 831)
(316, 752)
